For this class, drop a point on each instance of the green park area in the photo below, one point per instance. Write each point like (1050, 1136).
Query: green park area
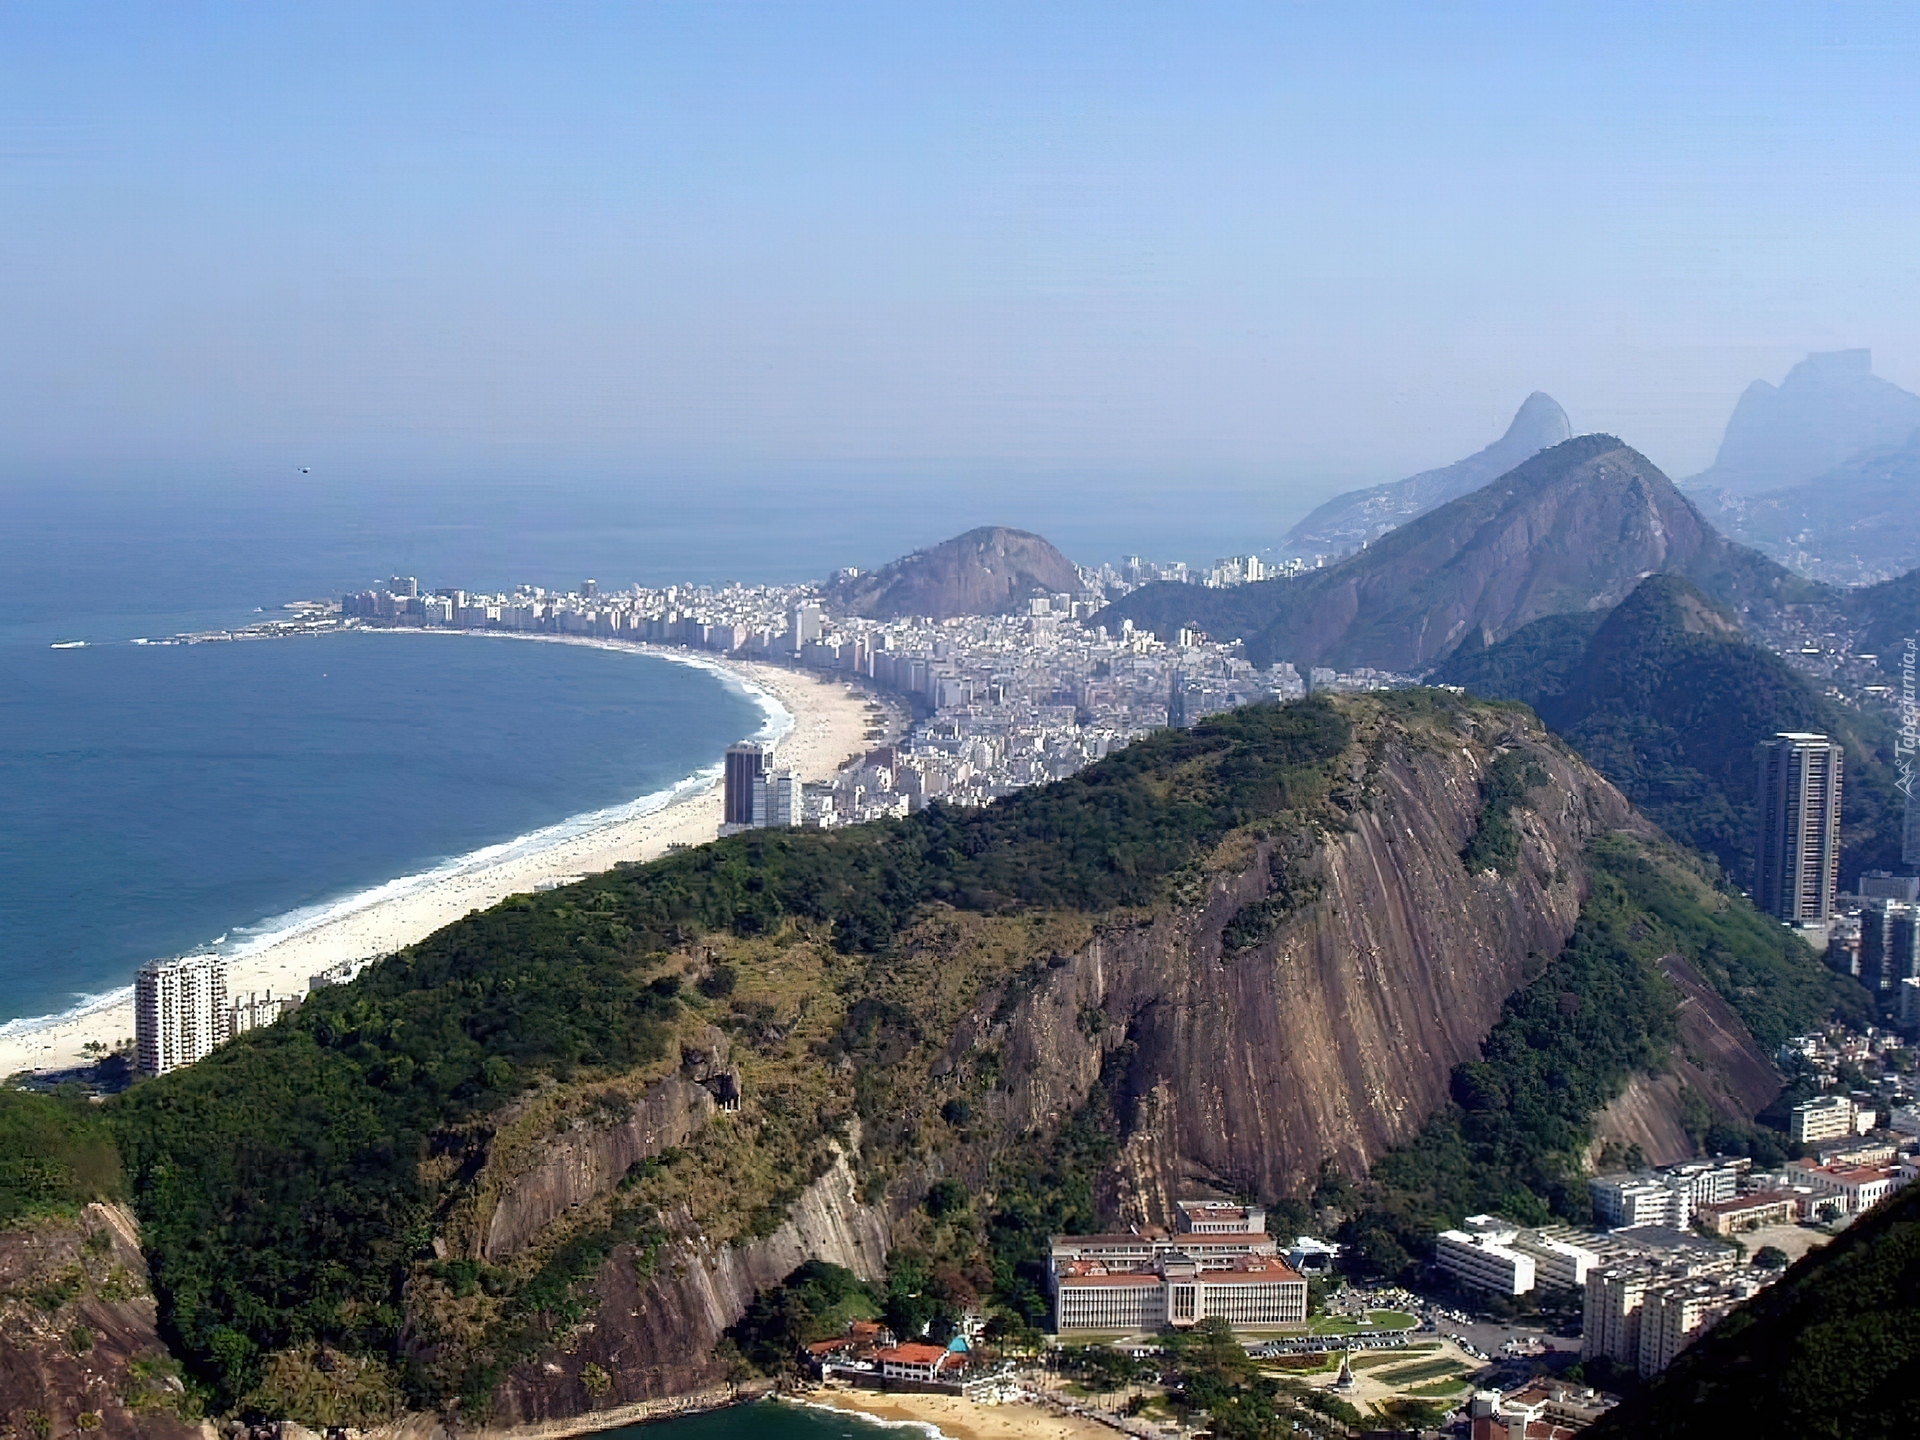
(1376, 1320)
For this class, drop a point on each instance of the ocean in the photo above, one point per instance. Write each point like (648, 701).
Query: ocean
(155, 800)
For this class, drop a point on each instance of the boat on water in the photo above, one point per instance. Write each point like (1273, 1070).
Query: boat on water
(69, 645)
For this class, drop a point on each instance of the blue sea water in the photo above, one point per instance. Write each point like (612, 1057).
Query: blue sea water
(154, 799)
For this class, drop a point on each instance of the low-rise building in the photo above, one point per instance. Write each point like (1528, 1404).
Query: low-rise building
(1256, 1292)
(1621, 1200)
(919, 1364)
(1750, 1212)
(1852, 1188)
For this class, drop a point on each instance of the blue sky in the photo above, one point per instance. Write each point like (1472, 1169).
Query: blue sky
(1306, 245)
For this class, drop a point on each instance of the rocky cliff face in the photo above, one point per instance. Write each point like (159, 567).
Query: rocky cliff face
(657, 1321)
(78, 1346)
(1334, 1036)
(586, 1160)
(1715, 1060)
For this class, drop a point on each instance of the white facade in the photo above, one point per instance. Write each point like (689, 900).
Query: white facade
(1557, 1264)
(1826, 1118)
(1623, 1200)
(1485, 1260)
(252, 1012)
(180, 1011)
(1256, 1292)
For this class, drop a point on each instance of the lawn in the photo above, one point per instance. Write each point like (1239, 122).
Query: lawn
(1393, 1357)
(1424, 1370)
(1376, 1320)
(1440, 1389)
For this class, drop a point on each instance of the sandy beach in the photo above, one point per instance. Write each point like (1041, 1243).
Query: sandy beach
(961, 1419)
(824, 721)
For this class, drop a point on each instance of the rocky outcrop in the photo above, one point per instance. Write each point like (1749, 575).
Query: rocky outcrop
(659, 1317)
(1715, 1061)
(586, 1160)
(1335, 1036)
(79, 1350)
(989, 571)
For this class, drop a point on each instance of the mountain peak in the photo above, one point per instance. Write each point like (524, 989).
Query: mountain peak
(1348, 521)
(1574, 528)
(990, 570)
(1830, 407)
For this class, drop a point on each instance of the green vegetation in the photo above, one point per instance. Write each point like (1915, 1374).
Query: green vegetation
(1425, 1370)
(1514, 1136)
(289, 1185)
(1828, 1351)
(816, 1302)
(56, 1155)
(1496, 843)
(1212, 1373)
(1668, 700)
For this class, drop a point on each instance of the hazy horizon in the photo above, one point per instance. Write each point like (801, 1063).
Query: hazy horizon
(1274, 253)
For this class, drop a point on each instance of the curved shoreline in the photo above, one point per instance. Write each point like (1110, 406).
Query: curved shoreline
(824, 724)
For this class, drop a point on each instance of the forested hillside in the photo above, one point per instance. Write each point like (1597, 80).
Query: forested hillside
(1668, 699)
(945, 1037)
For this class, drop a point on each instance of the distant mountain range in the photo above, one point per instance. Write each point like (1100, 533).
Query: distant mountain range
(988, 571)
(1829, 409)
(1573, 529)
(1822, 472)
(1858, 521)
(1359, 517)
(1667, 698)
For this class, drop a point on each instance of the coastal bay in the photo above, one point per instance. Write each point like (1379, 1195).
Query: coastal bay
(819, 724)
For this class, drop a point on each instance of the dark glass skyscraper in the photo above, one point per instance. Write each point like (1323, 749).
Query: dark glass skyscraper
(747, 765)
(1797, 852)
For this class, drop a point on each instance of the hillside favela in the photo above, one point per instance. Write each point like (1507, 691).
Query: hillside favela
(1133, 834)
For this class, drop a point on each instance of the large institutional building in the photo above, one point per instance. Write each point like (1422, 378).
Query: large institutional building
(1797, 857)
(180, 1011)
(1222, 1264)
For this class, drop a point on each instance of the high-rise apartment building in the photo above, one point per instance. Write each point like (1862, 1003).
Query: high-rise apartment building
(747, 766)
(180, 1011)
(1797, 854)
(1889, 944)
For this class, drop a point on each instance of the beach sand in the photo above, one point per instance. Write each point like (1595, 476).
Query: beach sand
(963, 1419)
(829, 724)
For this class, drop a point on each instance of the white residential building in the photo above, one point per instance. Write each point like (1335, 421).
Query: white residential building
(180, 1011)
(1623, 1200)
(1826, 1118)
(1485, 1259)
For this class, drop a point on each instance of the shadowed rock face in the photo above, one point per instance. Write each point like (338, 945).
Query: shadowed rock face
(104, 1284)
(1359, 516)
(989, 571)
(1715, 1058)
(654, 1334)
(1336, 1037)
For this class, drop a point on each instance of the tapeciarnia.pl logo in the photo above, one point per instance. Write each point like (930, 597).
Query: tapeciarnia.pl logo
(1904, 747)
